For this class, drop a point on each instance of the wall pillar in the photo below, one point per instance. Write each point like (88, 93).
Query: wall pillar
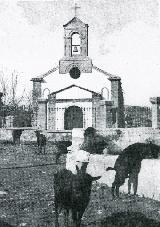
(109, 114)
(95, 106)
(104, 115)
(1, 112)
(155, 112)
(36, 94)
(42, 114)
(1, 95)
(52, 112)
(117, 98)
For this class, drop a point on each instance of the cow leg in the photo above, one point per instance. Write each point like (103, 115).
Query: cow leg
(118, 184)
(117, 190)
(18, 140)
(113, 189)
(114, 185)
(119, 180)
(135, 184)
(80, 214)
(74, 218)
(57, 157)
(66, 216)
(56, 215)
(129, 185)
(44, 149)
(36, 151)
(133, 179)
(40, 149)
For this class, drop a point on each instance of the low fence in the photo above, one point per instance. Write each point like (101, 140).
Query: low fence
(138, 116)
(135, 116)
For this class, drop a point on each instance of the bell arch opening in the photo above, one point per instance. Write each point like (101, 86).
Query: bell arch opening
(75, 44)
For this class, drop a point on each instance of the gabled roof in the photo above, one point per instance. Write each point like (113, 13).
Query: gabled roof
(73, 85)
(75, 20)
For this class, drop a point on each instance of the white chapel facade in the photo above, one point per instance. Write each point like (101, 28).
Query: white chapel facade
(76, 106)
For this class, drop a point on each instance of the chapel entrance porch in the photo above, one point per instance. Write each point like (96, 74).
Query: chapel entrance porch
(73, 118)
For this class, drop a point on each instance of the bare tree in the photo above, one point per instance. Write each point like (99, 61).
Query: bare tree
(13, 100)
(9, 88)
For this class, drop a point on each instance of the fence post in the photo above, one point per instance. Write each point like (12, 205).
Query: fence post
(155, 112)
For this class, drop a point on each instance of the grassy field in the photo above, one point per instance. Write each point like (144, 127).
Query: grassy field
(27, 196)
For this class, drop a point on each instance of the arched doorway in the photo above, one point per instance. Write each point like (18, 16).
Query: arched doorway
(73, 118)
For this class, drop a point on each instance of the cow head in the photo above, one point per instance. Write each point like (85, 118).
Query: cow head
(151, 150)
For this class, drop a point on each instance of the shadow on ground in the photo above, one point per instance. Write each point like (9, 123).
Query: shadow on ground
(5, 224)
(125, 219)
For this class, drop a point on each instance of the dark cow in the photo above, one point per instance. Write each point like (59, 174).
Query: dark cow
(41, 141)
(72, 193)
(128, 164)
(16, 134)
(93, 143)
(61, 148)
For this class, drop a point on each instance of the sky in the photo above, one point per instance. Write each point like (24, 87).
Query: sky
(124, 40)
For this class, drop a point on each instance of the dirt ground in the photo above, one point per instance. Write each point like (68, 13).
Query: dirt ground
(27, 196)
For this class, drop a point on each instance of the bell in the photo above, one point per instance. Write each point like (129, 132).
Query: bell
(75, 49)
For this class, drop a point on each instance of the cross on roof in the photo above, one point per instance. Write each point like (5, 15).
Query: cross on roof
(75, 8)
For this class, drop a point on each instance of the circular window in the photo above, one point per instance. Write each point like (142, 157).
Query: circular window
(75, 72)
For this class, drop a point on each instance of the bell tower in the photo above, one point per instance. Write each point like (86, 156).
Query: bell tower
(75, 60)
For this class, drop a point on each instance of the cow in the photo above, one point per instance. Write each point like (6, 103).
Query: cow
(93, 143)
(62, 148)
(41, 141)
(129, 162)
(16, 134)
(72, 193)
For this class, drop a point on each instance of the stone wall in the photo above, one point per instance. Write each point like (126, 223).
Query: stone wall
(5, 135)
(119, 138)
(28, 135)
